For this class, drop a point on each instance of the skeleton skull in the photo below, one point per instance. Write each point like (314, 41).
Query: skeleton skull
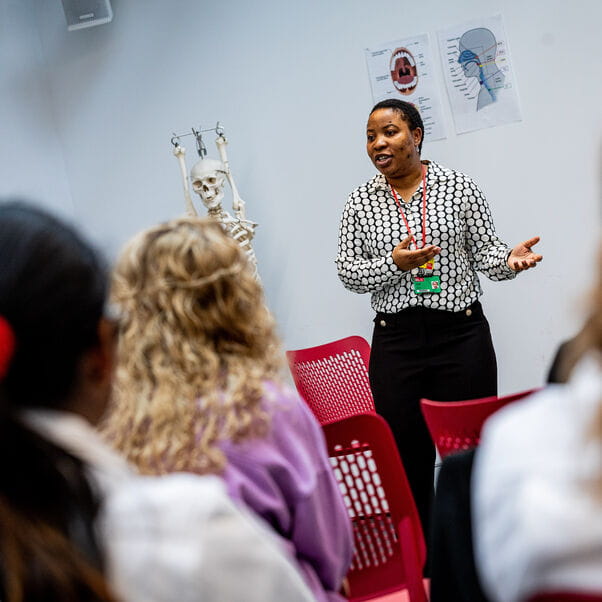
(208, 177)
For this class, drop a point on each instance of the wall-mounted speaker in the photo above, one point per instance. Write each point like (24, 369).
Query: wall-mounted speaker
(87, 13)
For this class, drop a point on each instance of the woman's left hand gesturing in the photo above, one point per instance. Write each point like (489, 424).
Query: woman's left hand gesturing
(522, 257)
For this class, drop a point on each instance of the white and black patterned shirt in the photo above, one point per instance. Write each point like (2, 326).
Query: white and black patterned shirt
(458, 220)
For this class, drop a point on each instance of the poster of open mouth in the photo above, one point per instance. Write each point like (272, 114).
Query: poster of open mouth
(403, 69)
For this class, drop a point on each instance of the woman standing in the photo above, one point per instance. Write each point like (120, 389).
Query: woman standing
(198, 390)
(414, 237)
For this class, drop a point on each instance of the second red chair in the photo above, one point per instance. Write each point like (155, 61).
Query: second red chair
(389, 544)
(456, 425)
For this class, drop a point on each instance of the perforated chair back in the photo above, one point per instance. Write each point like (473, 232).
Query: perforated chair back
(389, 544)
(333, 378)
(456, 425)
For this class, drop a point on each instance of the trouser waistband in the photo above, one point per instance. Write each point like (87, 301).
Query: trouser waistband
(435, 316)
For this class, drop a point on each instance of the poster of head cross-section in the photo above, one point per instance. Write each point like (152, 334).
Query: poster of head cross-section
(478, 73)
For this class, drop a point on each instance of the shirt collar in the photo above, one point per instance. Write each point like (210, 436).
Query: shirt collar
(379, 182)
(75, 434)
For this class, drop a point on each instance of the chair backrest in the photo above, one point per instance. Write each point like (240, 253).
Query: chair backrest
(567, 597)
(389, 545)
(456, 425)
(333, 378)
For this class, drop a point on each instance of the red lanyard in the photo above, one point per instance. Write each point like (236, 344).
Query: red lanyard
(423, 211)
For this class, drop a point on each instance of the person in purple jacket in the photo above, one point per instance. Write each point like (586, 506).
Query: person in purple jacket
(199, 389)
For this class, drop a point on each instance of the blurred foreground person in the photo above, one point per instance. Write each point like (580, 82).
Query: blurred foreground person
(76, 523)
(537, 494)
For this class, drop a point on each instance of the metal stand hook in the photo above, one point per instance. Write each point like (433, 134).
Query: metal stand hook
(201, 149)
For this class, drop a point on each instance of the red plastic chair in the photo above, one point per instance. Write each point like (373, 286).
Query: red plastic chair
(333, 378)
(456, 425)
(567, 597)
(389, 545)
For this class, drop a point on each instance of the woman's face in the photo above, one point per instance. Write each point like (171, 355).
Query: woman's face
(390, 144)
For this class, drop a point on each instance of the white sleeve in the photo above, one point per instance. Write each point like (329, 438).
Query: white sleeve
(180, 537)
(536, 516)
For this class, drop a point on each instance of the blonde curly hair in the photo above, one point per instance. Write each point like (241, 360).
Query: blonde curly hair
(196, 344)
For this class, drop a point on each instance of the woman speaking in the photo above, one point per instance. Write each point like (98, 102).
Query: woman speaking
(414, 236)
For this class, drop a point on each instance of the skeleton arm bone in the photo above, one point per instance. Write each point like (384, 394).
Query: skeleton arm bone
(238, 205)
(180, 153)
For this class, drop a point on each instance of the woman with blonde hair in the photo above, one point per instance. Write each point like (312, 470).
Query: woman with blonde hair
(199, 389)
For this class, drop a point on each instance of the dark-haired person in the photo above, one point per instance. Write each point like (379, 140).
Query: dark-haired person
(414, 236)
(76, 523)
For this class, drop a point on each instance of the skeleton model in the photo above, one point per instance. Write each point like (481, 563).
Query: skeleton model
(208, 177)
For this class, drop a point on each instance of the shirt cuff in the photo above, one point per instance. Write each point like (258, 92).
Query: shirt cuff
(507, 269)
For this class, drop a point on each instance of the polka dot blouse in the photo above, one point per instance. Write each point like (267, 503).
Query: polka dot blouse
(458, 220)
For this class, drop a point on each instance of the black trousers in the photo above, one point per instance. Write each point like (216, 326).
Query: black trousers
(419, 352)
(453, 572)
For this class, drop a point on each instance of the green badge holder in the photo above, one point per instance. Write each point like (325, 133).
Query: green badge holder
(428, 284)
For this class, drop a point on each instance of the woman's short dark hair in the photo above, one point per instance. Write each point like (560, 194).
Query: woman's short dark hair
(409, 113)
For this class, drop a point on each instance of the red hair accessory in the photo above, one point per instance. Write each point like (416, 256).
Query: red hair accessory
(7, 346)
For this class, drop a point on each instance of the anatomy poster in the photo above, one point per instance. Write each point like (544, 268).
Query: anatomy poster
(479, 76)
(403, 69)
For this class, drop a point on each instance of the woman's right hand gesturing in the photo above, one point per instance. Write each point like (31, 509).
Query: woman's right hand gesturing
(406, 259)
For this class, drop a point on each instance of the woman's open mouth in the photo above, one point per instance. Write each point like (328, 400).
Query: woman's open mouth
(381, 160)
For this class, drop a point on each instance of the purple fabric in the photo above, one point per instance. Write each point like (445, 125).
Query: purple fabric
(287, 480)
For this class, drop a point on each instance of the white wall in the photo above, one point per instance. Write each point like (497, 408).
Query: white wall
(31, 156)
(289, 82)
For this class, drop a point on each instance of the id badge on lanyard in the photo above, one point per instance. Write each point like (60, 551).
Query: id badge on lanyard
(424, 279)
